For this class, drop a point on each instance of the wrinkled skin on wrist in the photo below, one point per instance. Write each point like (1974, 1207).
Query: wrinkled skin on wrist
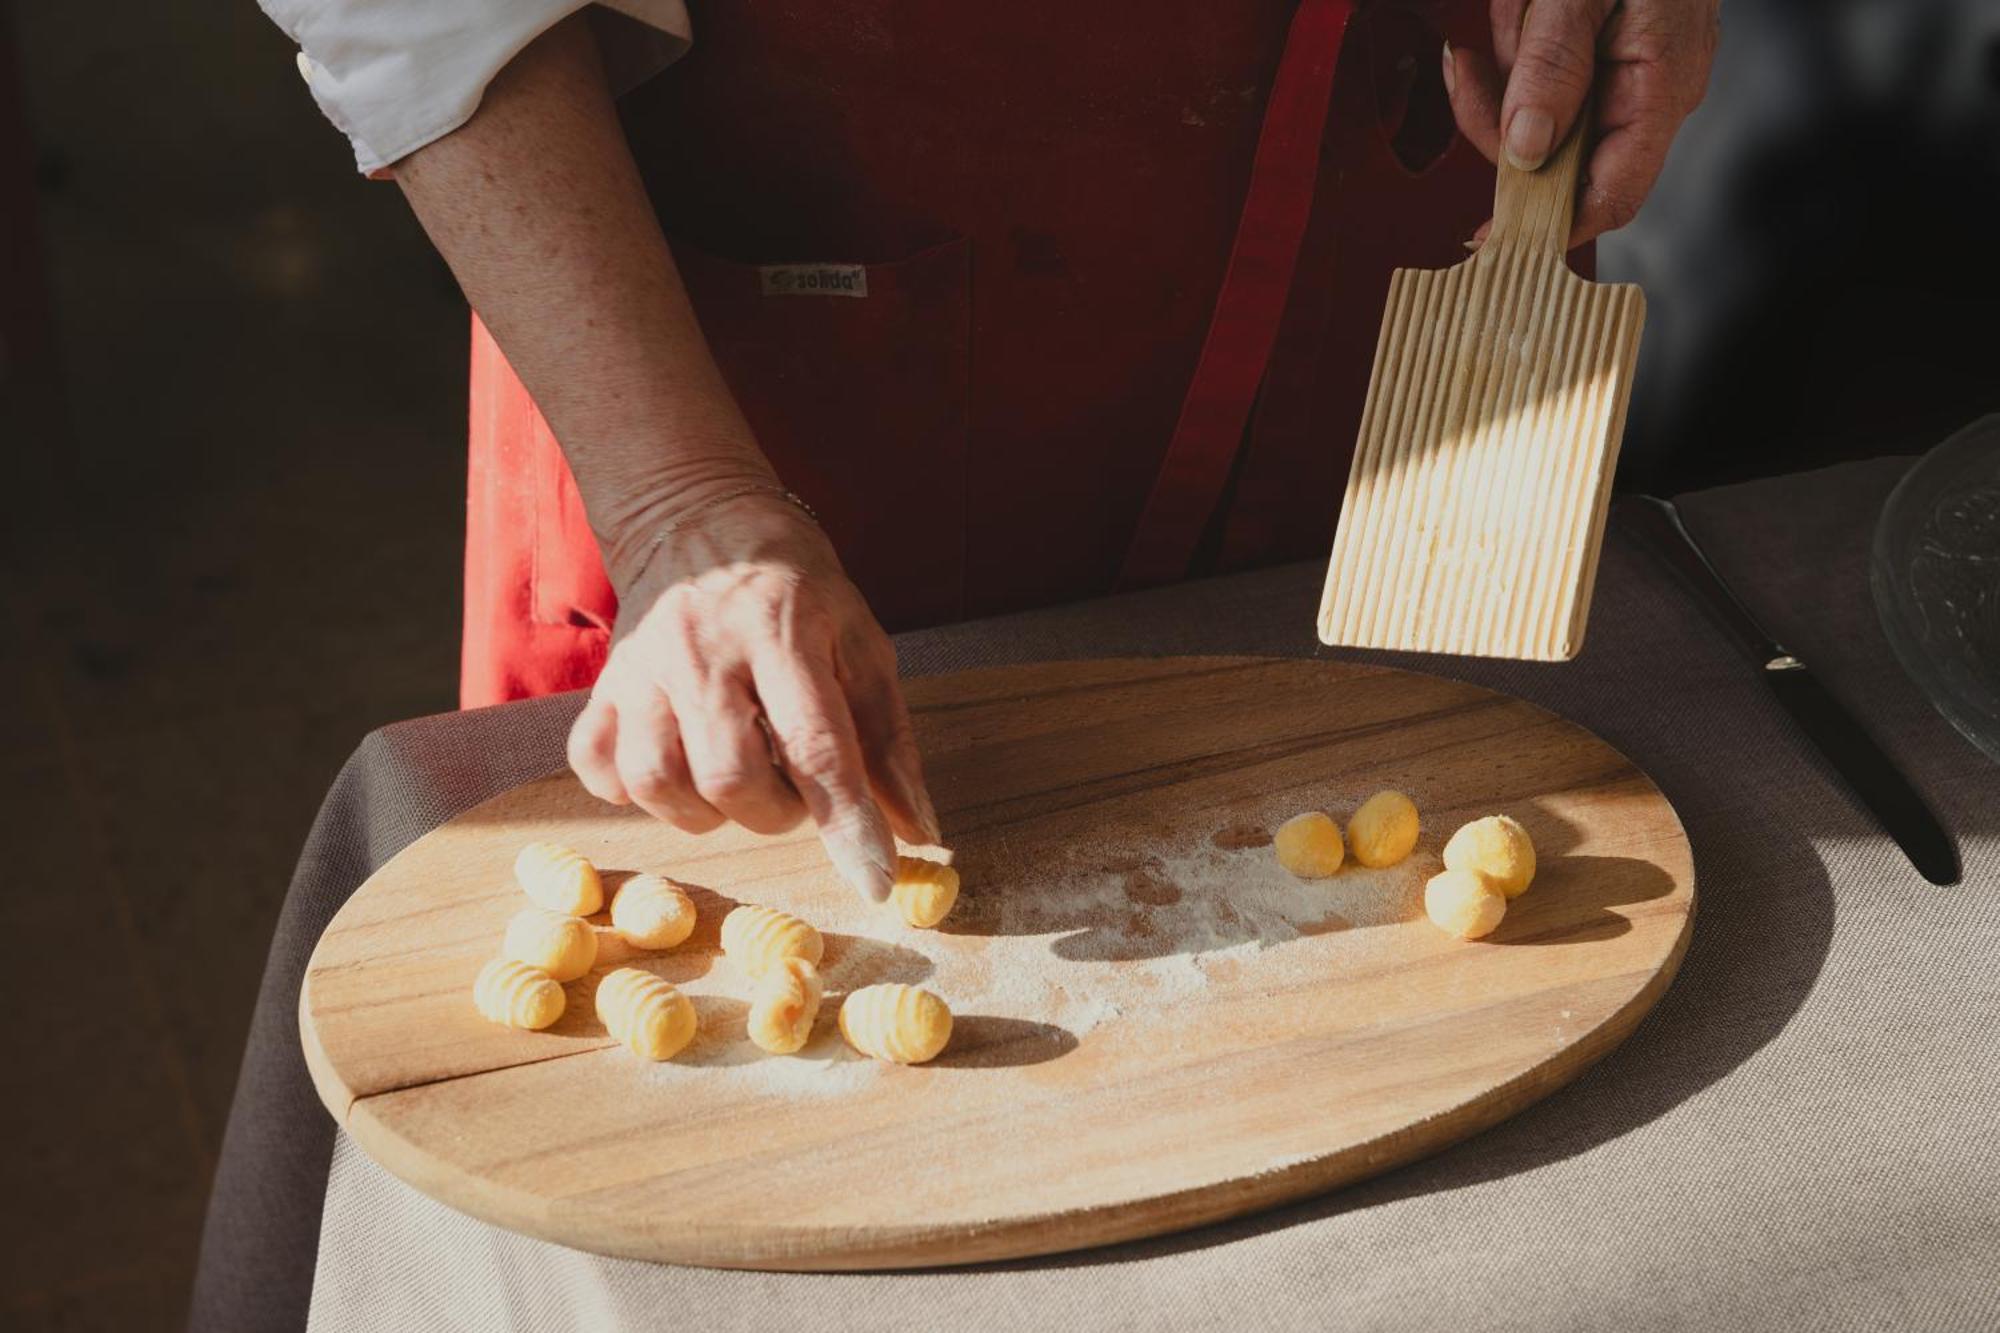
(749, 682)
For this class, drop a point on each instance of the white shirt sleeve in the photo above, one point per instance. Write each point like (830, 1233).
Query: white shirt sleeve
(392, 75)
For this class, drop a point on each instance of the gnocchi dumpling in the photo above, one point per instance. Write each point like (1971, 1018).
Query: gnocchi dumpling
(559, 879)
(1308, 845)
(652, 912)
(565, 947)
(1464, 903)
(787, 1002)
(755, 938)
(1383, 830)
(904, 1024)
(652, 1018)
(924, 890)
(509, 992)
(1498, 848)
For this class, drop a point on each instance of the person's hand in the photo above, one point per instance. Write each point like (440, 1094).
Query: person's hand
(1649, 60)
(748, 681)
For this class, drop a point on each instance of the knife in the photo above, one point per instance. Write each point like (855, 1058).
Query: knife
(1824, 720)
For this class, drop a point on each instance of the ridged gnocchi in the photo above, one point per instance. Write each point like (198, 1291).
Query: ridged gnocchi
(1464, 903)
(652, 912)
(903, 1024)
(787, 1003)
(924, 890)
(509, 992)
(565, 947)
(652, 1018)
(1308, 845)
(1383, 830)
(559, 879)
(1497, 847)
(755, 938)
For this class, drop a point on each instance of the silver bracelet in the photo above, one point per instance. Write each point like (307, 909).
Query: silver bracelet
(680, 520)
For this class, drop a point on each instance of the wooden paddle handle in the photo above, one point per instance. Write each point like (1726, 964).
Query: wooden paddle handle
(1536, 208)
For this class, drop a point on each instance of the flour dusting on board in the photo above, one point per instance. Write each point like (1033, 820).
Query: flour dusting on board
(1050, 940)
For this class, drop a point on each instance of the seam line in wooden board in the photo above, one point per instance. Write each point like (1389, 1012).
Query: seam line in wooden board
(609, 1043)
(1473, 512)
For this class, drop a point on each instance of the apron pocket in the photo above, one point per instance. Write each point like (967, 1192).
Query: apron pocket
(855, 379)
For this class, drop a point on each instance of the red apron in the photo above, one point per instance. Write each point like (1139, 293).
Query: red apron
(1030, 301)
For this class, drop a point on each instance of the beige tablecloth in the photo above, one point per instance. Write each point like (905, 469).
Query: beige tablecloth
(1803, 1134)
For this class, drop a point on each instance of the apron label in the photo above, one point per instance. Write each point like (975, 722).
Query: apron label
(813, 279)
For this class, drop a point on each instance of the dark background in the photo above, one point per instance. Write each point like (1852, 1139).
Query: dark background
(235, 490)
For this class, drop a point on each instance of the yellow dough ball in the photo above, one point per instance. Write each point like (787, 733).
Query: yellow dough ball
(509, 992)
(1383, 830)
(781, 1017)
(1498, 848)
(652, 912)
(559, 879)
(755, 938)
(902, 1024)
(924, 890)
(565, 947)
(1308, 845)
(1464, 903)
(653, 1019)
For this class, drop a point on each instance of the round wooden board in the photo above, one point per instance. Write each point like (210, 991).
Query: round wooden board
(1157, 1027)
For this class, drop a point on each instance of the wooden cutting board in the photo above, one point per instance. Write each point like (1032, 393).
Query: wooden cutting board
(1156, 1026)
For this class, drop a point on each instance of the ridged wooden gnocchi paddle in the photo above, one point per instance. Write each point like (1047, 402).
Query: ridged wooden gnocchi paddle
(1476, 504)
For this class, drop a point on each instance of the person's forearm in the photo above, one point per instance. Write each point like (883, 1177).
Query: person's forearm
(537, 206)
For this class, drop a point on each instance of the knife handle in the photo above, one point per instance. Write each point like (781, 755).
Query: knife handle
(1657, 523)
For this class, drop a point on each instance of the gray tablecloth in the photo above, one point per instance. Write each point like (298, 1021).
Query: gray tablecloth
(1803, 1135)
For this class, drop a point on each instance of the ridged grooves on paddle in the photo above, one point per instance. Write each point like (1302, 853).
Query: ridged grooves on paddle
(1476, 503)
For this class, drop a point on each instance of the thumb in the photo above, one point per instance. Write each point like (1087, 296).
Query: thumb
(1551, 77)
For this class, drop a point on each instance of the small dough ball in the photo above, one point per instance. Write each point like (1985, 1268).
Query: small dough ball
(559, 879)
(649, 1015)
(924, 890)
(1464, 903)
(565, 947)
(787, 1002)
(755, 938)
(902, 1024)
(652, 912)
(509, 992)
(1308, 845)
(1496, 847)
(1383, 830)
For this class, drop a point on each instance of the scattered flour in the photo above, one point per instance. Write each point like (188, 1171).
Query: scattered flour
(1051, 940)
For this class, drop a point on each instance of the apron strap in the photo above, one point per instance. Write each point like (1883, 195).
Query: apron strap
(1255, 287)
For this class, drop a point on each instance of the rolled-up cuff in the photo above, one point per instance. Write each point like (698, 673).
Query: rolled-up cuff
(393, 78)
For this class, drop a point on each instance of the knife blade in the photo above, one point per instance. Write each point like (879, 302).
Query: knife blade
(1826, 722)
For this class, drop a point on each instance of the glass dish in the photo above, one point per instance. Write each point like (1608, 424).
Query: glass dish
(1935, 572)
